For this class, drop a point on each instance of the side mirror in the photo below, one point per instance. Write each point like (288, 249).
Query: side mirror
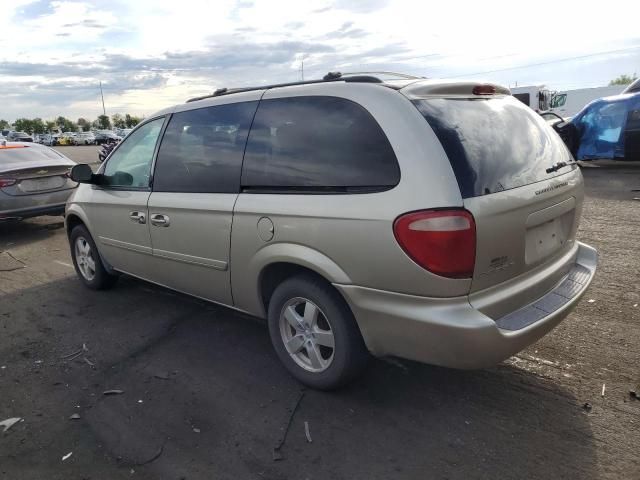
(81, 173)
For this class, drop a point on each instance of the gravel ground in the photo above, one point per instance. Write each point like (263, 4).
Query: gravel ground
(205, 397)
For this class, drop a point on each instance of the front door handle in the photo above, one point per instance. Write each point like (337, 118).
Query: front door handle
(160, 220)
(138, 217)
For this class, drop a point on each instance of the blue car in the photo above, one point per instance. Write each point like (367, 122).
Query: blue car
(607, 128)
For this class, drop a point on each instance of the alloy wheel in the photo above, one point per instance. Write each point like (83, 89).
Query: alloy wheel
(307, 334)
(84, 259)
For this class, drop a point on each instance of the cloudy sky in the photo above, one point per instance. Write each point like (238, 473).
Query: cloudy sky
(153, 53)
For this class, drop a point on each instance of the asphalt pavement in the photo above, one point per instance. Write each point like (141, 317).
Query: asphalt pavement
(198, 393)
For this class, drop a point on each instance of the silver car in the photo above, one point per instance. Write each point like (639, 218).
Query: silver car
(430, 220)
(33, 181)
(84, 138)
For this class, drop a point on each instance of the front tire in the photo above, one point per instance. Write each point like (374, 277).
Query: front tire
(87, 262)
(314, 333)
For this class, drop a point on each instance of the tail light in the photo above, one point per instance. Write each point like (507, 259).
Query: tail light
(484, 90)
(7, 182)
(442, 241)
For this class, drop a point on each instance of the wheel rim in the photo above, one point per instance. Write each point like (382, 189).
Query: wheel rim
(307, 334)
(84, 258)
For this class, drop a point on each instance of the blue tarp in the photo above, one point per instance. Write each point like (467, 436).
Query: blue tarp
(601, 127)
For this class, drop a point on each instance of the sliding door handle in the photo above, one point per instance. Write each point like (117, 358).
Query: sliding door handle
(160, 220)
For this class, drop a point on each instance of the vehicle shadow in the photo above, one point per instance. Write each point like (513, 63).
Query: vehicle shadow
(204, 396)
(19, 233)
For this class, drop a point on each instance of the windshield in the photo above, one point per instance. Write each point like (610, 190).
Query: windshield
(494, 144)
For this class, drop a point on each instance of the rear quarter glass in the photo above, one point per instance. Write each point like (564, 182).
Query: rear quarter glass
(319, 144)
(494, 144)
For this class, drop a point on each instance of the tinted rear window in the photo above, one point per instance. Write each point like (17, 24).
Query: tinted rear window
(494, 144)
(202, 150)
(317, 144)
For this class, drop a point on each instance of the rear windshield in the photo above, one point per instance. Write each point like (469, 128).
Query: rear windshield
(494, 144)
(26, 157)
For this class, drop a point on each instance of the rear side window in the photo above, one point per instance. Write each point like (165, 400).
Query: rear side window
(317, 144)
(494, 144)
(201, 151)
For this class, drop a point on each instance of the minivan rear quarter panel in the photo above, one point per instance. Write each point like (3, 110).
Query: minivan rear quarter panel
(354, 231)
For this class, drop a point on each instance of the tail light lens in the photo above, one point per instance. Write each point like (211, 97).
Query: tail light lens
(442, 241)
(7, 182)
(484, 90)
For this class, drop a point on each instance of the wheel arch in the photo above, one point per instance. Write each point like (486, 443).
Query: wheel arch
(75, 217)
(276, 262)
(71, 221)
(275, 273)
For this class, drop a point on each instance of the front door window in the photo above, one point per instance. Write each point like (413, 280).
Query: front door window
(130, 164)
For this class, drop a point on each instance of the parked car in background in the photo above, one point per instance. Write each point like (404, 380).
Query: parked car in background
(106, 136)
(46, 139)
(84, 138)
(19, 137)
(123, 132)
(33, 181)
(66, 138)
(430, 220)
(608, 128)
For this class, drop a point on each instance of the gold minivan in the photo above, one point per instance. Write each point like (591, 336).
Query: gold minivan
(425, 219)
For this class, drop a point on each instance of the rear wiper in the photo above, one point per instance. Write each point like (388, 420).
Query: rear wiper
(557, 166)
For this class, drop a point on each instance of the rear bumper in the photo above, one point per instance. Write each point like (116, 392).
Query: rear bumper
(26, 206)
(451, 332)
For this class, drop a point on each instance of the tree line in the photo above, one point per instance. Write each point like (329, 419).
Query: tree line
(623, 80)
(63, 124)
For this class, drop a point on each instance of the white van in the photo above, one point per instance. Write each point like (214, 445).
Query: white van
(538, 97)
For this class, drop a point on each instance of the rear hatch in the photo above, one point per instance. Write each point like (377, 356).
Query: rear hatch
(518, 180)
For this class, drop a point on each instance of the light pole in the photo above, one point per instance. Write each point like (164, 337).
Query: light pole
(104, 112)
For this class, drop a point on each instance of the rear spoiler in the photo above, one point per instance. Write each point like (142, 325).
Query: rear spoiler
(452, 89)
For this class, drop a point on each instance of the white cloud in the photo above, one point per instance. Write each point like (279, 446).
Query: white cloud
(150, 53)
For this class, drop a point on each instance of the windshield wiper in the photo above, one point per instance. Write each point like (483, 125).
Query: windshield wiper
(557, 166)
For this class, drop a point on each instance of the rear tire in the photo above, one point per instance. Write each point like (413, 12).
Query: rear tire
(315, 334)
(87, 262)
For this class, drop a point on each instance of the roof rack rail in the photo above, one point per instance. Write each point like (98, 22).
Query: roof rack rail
(395, 74)
(329, 77)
